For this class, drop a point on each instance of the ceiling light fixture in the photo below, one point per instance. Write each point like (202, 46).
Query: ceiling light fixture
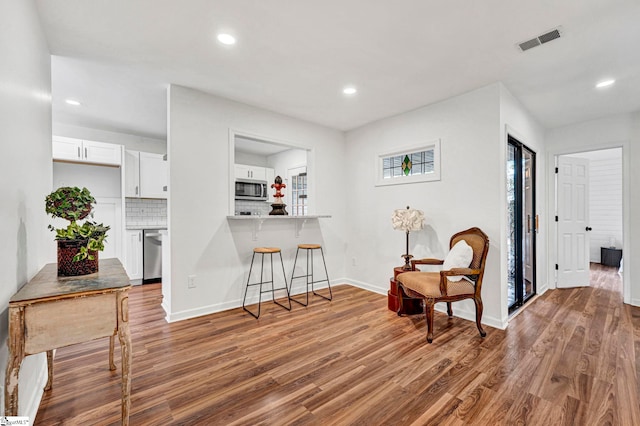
(227, 39)
(73, 102)
(350, 90)
(605, 83)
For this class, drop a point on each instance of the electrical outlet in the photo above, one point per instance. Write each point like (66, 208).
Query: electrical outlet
(191, 281)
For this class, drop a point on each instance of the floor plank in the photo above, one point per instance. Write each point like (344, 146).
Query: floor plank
(571, 357)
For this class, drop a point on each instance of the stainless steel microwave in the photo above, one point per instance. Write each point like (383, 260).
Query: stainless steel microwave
(251, 190)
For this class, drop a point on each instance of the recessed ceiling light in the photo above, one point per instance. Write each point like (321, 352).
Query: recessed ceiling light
(73, 102)
(227, 39)
(349, 90)
(605, 83)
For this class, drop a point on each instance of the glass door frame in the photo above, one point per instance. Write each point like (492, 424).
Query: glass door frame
(519, 237)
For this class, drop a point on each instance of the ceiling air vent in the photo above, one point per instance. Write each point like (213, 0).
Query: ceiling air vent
(541, 39)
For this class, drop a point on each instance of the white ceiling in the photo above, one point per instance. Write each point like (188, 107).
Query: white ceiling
(294, 57)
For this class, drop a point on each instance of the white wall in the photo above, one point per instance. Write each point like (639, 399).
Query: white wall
(605, 199)
(616, 131)
(516, 121)
(283, 161)
(631, 221)
(468, 194)
(25, 171)
(131, 142)
(204, 242)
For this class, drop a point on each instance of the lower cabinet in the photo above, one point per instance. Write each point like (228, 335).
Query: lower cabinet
(133, 254)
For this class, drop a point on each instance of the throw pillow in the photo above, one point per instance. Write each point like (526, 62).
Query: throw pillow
(460, 256)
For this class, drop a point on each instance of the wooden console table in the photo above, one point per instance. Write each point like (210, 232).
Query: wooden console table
(51, 312)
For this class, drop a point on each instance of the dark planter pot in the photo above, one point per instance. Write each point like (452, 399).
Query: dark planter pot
(67, 249)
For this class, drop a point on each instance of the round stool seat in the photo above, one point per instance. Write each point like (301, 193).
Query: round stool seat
(266, 250)
(309, 246)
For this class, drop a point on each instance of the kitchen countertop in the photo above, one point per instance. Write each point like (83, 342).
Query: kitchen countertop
(263, 217)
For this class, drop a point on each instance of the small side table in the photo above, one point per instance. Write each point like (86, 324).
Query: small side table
(610, 256)
(411, 306)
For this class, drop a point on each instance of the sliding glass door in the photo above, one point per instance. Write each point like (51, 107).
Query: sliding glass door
(522, 222)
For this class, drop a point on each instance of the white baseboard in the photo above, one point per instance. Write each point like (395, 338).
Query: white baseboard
(35, 397)
(211, 309)
(440, 307)
(219, 307)
(366, 286)
(635, 302)
(32, 391)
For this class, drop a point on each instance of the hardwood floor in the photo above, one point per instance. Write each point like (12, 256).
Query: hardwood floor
(569, 358)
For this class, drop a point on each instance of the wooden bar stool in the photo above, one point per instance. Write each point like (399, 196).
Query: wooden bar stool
(310, 249)
(262, 251)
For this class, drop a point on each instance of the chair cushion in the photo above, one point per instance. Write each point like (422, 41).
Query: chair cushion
(428, 284)
(460, 256)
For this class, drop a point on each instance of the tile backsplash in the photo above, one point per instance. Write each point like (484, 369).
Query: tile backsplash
(145, 212)
(254, 207)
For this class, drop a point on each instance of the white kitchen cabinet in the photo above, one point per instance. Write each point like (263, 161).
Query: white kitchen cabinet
(82, 151)
(133, 254)
(153, 175)
(250, 172)
(145, 175)
(131, 174)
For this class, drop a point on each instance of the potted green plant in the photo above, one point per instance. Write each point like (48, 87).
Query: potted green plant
(78, 244)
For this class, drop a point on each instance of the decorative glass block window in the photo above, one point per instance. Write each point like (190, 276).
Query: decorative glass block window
(417, 164)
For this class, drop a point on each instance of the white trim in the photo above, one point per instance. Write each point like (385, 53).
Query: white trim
(429, 177)
(34, 399)
(219, 307)
(31, 392)
(459, 312)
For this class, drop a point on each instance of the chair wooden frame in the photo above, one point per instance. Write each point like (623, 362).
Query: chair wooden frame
(475, 273)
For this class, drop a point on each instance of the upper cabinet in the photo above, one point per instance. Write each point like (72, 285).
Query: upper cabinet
(131, 173)
(83, 151)
(250, 172)
(146, 175)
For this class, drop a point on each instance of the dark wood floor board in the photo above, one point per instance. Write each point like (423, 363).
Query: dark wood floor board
(571, 357)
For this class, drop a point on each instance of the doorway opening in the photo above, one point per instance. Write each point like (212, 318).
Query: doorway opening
(522, 222)
(597, 211)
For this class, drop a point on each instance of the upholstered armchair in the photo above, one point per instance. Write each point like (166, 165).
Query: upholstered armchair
(461, 277)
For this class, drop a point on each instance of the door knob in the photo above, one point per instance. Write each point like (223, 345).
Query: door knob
(588, 228)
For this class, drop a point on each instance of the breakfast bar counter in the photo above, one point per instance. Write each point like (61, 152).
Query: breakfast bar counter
(259, 220)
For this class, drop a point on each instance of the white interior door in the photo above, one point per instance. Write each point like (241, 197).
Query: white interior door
(573, 222)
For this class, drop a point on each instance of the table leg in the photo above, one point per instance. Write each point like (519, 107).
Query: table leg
(112, 365)
(125, 345)
(49, 370)
(15, 344)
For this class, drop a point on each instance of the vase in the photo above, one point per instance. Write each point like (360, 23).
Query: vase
(67, 249)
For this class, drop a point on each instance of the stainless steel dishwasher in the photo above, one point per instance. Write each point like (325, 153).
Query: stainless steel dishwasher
(151, 256)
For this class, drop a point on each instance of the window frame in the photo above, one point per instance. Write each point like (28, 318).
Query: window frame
(402, 179)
